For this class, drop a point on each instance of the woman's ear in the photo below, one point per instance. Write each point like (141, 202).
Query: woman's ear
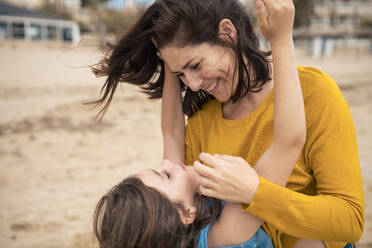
(154, 42)
(227, 30)
(157, 47)
(188, 216)
(159, 55)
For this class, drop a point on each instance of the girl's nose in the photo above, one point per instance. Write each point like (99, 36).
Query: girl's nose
(165, 164)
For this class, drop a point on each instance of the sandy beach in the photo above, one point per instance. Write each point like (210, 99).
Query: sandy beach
(56, 161)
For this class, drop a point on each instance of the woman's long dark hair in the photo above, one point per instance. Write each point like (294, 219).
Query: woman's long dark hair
(132, 215)
(134, 58)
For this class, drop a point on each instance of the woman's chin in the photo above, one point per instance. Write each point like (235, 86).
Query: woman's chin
(222, 99)
(221, 95)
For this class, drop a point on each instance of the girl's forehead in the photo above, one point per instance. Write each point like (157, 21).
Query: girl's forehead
(152, 178)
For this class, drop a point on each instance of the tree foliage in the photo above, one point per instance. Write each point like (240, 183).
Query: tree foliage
(56, 9)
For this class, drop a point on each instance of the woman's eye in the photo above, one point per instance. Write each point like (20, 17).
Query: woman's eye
(196, 66)
(180, 75)
(167, 174)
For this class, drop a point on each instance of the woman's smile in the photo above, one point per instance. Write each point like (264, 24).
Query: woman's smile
(211, 87)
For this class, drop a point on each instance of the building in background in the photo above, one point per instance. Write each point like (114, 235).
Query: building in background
(18, 23)
(337, 25)
(341, 16)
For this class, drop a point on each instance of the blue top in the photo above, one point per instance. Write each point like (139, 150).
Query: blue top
(259, 239)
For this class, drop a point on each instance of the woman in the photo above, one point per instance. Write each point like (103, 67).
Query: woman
(239, 123)
(162, 207)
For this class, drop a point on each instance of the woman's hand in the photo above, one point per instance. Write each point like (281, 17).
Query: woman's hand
(277, 23)
(226, 177)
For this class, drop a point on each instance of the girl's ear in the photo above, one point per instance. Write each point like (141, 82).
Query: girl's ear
(188, 216)
(227, 30)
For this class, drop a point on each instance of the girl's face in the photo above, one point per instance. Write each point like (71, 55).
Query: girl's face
(204, 66)
(177, 183)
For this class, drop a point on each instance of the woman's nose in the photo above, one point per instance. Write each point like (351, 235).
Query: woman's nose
(193, 81)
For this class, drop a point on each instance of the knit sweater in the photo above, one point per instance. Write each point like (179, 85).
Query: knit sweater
(323, 198)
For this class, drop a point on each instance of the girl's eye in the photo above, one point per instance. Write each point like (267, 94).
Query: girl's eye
(180, 75)
(167, 174)
(196, 66)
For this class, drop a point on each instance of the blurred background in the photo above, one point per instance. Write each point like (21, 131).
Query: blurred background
(56, 160)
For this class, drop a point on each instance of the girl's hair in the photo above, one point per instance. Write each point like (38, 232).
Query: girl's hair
(133, 215)
(134, 58)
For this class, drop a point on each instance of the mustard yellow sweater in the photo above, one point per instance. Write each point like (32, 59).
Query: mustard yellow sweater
(324, 196)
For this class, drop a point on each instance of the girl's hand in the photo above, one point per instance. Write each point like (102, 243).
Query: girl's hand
(226, 177)
(277, 24)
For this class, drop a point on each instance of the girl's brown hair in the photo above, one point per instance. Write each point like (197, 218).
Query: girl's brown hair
(132, 215)
(134, 58)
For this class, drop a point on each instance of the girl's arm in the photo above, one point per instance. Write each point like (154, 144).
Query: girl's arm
(277, 163)
(289, 115)
(172, 119)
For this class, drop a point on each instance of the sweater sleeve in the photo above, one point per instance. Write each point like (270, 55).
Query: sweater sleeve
(192, 143)
(336, 212)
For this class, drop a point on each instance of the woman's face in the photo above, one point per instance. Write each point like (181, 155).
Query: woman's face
(204, 66)
(177, 183)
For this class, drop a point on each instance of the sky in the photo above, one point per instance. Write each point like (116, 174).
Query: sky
(120, 4)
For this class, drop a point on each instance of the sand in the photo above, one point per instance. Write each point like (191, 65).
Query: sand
(56, 160)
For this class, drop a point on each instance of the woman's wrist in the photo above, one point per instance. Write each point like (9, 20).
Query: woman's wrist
(254, 182)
